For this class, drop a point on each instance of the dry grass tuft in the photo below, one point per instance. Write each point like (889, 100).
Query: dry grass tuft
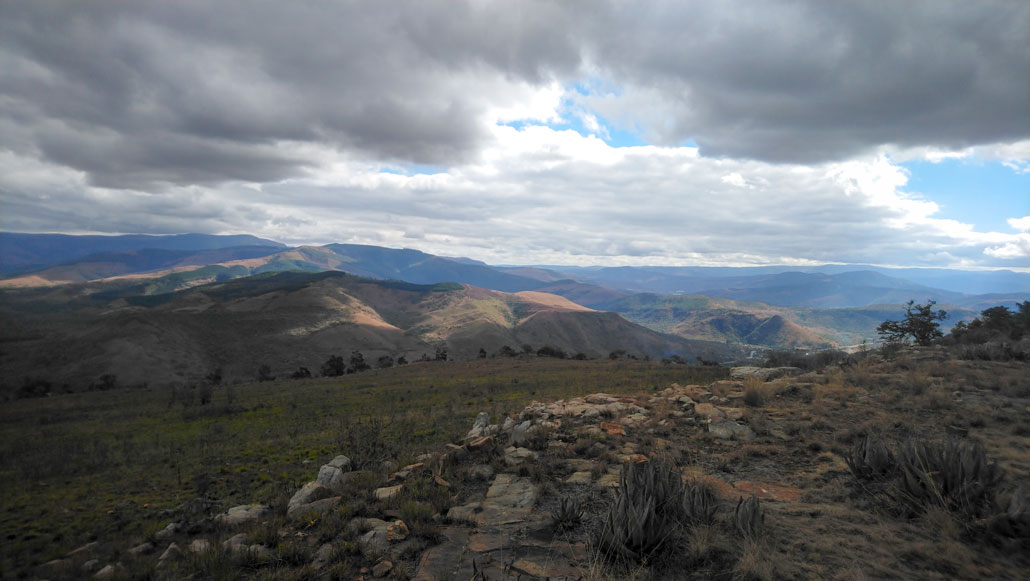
(754, 563)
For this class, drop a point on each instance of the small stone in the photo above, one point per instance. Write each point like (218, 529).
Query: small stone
(245, 513)
(481, 472)
(91, 566)
(309, 493)
(579, 478)
(107, 572)
(382, 569)
(87, 548)
(708, 411)
(728, 429)
(480, 443)
(388, 492)
(173, 552)
(168, 532)
(397, 531)
(479, 426)
(733, 413)
(235, 542)
(141, 549)
(323, 556)
(319, 508)
(466, 513)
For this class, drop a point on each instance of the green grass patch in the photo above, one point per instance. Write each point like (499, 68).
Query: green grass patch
(104, 465)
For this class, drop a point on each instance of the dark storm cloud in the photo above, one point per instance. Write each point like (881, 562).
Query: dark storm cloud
(194, 92)
(813, 81)
(145, 94)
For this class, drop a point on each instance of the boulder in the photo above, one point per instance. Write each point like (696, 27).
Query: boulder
(331, 474)
(388, 492)
(397, 531)
(90, 566)
(172, 553)
(729, 429)
(141, 549)
(309, 493)
(168, 532)
(199, 546)
(245, 513)
(382, 569)
(762, 373)
(318, 507)
(520, 433)
(708, 411)
(479, 426)
(323, 556)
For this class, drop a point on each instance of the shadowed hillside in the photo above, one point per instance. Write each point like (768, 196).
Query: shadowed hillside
(294, 319)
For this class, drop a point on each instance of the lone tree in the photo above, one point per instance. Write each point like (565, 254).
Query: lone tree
(920, 323)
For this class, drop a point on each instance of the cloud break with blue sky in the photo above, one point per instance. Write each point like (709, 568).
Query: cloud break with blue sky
(614, 133)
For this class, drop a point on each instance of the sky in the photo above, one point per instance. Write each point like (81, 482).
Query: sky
(533, 132)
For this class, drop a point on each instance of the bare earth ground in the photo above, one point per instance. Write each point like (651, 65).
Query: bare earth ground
(487, 504)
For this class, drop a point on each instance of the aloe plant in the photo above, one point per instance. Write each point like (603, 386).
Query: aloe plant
(870, 459)
(567, 514)
(699, 504)
(748, 517)
(647, 509)
(954, 475)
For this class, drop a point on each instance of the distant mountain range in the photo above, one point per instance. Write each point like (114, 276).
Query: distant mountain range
(22, 253)
(738, 308)
(287, 320)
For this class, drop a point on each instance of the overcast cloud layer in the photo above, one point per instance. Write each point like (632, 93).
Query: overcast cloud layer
(308, 122)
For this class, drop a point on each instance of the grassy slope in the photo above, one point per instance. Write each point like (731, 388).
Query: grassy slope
(104, 465)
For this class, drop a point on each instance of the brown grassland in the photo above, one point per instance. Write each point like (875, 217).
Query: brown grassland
(116, 467)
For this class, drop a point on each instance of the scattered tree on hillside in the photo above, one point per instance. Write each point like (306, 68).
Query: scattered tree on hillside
(616, 354)
(265, 373)
(215, 377)
(920, 323)
(507, 351)
(304, 373)
(549, 351)
(994, 324)
(333, 367)
(441, 354)
(402, 360)
(357, 362)
(527, 349)
(385, 361)
(482, 353)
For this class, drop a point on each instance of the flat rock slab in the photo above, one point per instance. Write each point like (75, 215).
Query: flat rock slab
(445, 561)
(508, 501)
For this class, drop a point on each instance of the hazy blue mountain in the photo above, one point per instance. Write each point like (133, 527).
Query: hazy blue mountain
(688, 279)
(23, 252)
(421, 268)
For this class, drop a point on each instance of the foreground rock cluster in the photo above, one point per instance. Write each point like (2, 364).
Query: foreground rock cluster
(499, 523)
